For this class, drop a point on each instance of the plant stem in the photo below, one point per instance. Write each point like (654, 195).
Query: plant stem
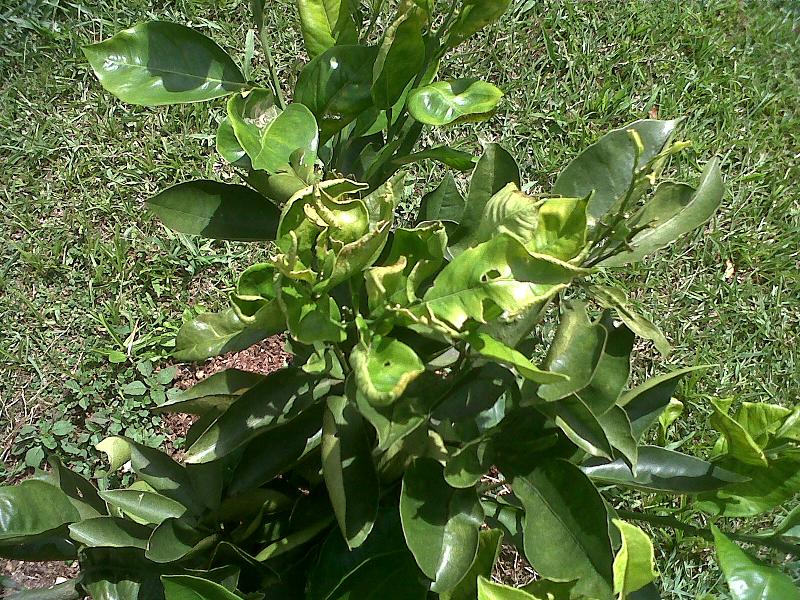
(673, 523)
(266, 44)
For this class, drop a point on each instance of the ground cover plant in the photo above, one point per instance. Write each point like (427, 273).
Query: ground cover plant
(673, 426)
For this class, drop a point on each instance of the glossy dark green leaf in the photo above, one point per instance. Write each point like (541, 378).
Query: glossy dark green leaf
(282, 396)
(66, 590)
(440, 524)
(618, 430)
(394, 422)
(578, 423)
(119, 574)
(212, 334)
(381, 567)
(662, 470)
(575, 351)
(174, 539)
(495, 169)
(33, 507)
(612, 372)
(468, 464)
(507, 517)
(767, 488)
(215, 210)
(336, 86)
(187, 587)
(463, 161)
(163, 63)
(566, 531)
(81, 493)
(54, 544)
(675, 210)
(444, 102)
(747, 577)
(473, 17)
(489, 546)
(475, 394)
(606, 167)
(110, 532)
(383, 368)
(326, 23)
(348, 470)
(165, 476)
(646, 402)
(444, 203)
(401, 56)
(214, 393)
(277, 450)
(142, 506)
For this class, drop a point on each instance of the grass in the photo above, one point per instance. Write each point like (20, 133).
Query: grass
(91, 291)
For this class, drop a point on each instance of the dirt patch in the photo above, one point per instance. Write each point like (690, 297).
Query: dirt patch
(37, 575)
(264, 357)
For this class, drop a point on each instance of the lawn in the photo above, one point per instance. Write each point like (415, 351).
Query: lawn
(92, 291)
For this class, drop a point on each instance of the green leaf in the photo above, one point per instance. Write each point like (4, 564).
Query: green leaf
(635, 563)
(509, 211)
(489, 590)
(401, 57)
(615, 298)
(671, 414)
(662, 470)
(578, 423)
(762, 421)
(187, 587)
(164, 475)
(143, 507)
(277, 450)
(212, 334)
(348, 470)
(116, 449)
(174, 539)
(473, 17)
(606, 167)
(444, 203)
(444, 102)
(463, 161)
(326, 23)
(440, 524)
(675, 210)
(489, 546)
(738, 443)
(220, 211)
(81, 493)
(311, 318)
(380, 569)
(498, 277)
(215, 393)
(560, 228)
(163, 63)
(110, 532)
(495, 169)
(229, 147)
(767, 488)
(468, 464)
(575, 351)
(336, 87)
(612, 372)
(283, 395)
(566, 532)
(33, 507)
(645, 403)
(395, 421)
(383, 367)
(488, 347)
(292, 130)
(748, 578)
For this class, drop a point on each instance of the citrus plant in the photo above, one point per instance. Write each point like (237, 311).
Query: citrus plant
(455, 384)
